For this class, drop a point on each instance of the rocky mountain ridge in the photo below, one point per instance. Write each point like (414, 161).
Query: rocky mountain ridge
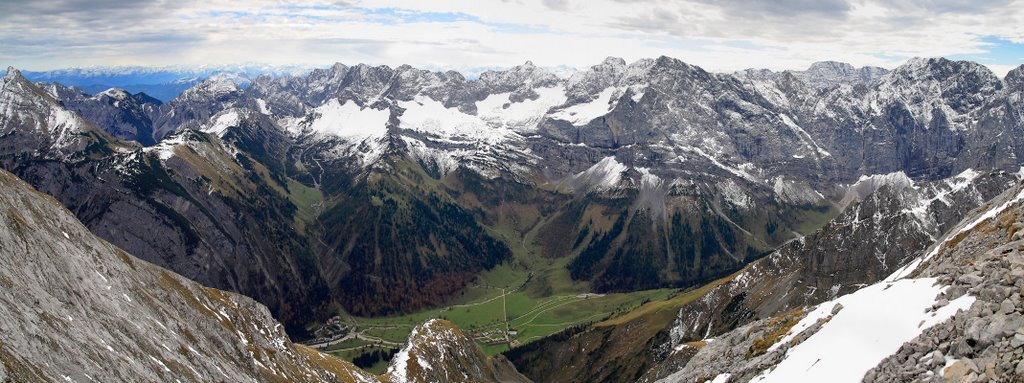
(145, 200)
(667, 174)
(77, 309)
(951, 314)
(889, 220)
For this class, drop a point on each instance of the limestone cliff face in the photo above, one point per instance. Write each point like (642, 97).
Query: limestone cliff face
(76, 308)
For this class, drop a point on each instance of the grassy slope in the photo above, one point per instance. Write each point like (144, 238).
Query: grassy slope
(669, 307)
(612, 350)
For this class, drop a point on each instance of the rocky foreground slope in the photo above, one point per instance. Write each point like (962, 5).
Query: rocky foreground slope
(74, 308)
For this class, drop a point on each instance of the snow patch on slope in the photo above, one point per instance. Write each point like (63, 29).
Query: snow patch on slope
(427, 116)
(498, 110)
(350, 121)
(721, 378)
(733, 193)
(165, 148)
(956, 184)
(795, 192)
(806, 138)
(872, 324)
(740, 171)
(445, 160)
(263, 106)
(581, 114)
(222, 122)
(648, 180)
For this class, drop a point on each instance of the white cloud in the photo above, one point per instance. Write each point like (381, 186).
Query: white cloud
(718, 35)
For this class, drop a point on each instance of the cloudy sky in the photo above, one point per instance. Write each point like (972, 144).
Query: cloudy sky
(719, 35)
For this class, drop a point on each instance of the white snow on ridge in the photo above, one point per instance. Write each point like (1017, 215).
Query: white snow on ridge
(581, 114)
(425, 115)
(498, 111)
(350, 121)
(991, 213)
(114, 93)
(873, 324)
(866, 185)
(222, 122)
(165, 148)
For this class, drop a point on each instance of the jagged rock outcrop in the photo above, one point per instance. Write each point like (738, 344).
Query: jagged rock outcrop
(437, 351)
(828, 74)
(34, 126)
(119, 113)
(195, 106)
(75, 308)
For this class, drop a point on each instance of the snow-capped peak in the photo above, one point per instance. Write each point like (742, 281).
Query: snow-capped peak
(116, 93)
(210, 88)
(12, 73)
(604, 175)
(955, 88)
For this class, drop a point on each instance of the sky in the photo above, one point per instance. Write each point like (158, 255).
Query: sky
(719, 35)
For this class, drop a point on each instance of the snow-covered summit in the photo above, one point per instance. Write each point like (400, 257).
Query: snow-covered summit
(210, 88)
(927, 85)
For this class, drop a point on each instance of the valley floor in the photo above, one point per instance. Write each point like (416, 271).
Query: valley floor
(527, 300)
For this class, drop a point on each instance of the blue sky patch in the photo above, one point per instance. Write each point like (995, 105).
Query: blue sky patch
(998, 51)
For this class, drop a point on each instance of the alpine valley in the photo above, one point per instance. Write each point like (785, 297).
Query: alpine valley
(630, 222)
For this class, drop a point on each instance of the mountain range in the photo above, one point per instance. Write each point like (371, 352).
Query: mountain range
(162, 83)
(381, 190)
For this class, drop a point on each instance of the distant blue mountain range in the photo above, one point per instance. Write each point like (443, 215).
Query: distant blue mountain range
(166, 83)
(162, 83)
